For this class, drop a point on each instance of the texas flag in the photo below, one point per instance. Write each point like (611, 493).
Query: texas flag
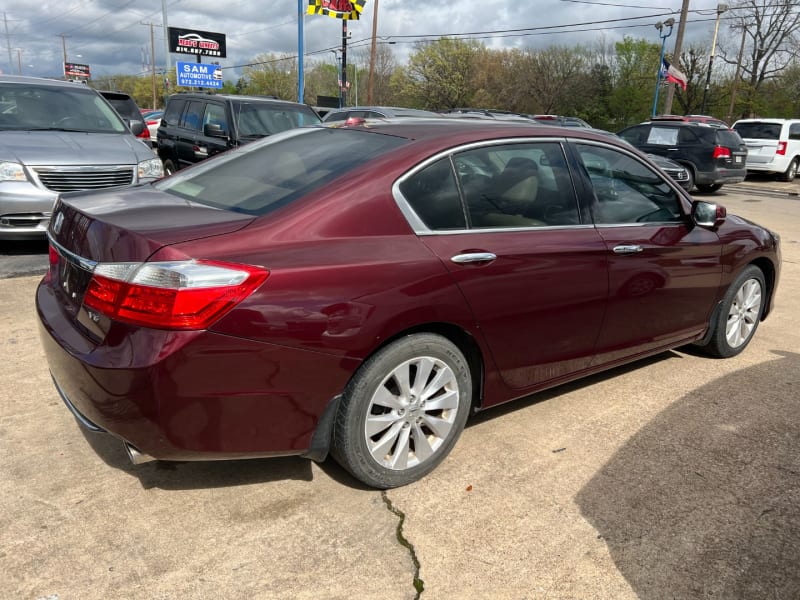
(671, 74)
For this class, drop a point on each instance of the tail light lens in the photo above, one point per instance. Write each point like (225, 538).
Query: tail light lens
(145, 134)
(170, 295)
(781, 151)
(722, 152)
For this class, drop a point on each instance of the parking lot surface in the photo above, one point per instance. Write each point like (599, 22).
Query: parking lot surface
(674, 477)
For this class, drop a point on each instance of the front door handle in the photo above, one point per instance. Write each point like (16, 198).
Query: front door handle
(473, 257)
(627, 249)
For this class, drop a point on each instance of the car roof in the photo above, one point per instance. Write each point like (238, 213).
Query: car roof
(27, 80)
(233, 98)
(461, 130)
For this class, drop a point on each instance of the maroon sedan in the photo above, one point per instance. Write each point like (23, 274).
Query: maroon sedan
(363, 289)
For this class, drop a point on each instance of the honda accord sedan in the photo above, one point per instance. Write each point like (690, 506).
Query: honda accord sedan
(363, 289)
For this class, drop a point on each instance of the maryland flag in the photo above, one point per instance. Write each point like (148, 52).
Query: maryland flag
(337, 9)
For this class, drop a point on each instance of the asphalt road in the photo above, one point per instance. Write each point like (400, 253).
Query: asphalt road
(675, 477)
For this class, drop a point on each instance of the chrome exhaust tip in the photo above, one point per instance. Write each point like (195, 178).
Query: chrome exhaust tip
(137, 457)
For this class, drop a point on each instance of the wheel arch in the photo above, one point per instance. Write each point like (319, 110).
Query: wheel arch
(323, 433)
(463, 340)
(768, 269)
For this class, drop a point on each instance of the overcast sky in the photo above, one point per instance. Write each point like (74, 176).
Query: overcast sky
(112, 36)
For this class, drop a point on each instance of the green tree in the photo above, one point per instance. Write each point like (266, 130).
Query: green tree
(439, 74)
(634, 73)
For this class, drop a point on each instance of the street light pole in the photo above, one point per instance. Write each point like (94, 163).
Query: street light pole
(721, 8)
(668, 24)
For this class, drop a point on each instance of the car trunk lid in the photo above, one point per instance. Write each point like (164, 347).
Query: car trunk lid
(123, 227)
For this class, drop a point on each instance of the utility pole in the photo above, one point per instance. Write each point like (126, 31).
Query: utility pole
(64, 47)
(19, 61)
(166, 38)
(8, 40)
(372, 52)
(153, 60)
(736, 77)
(344, 63)
(721, 8)
(676, 55)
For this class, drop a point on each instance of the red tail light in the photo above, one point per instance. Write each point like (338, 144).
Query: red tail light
(145, 134)
(722, 152)
(170, 295)
(781, 151)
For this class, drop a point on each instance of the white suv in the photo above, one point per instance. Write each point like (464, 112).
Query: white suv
(773, 145)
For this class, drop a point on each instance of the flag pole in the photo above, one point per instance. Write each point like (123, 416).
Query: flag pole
(660, 26)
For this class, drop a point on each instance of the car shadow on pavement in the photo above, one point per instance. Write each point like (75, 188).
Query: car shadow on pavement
(174, 475)
(704, 501)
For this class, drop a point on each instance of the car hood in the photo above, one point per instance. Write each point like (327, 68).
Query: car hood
(130, 225)
(66, 148)
(662, 162)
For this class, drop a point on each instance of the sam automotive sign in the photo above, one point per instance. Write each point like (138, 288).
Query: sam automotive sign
(199, 43)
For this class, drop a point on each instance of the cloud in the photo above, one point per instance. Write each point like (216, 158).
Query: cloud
(113, 37)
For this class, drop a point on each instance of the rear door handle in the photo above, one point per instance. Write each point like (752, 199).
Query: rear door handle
(627, 249)
(473, 257)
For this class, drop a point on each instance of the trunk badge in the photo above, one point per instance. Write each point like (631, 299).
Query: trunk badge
(58, 223)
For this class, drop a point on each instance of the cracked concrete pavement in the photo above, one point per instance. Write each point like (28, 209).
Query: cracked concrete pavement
(678, 476)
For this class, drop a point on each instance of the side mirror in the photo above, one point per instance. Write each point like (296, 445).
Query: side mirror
(708, 214)
(214, 130)
(136, 126)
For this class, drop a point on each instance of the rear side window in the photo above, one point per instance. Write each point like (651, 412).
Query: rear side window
(194, 115)
(728, 138)
(517, 185)
(173, 111)
(663, 136)
(759, 130)
(433, 194)
(261, 177)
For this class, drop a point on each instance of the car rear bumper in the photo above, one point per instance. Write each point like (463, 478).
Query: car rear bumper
(192, 395)
(772, 166)
(721, 176)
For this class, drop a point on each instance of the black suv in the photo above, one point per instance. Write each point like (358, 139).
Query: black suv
(712, 155)
(127, 108)
(195, 126)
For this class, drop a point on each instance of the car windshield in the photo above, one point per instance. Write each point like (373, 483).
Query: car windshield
(263, 176)
(759, 131)
(259, 119)
(43, 107)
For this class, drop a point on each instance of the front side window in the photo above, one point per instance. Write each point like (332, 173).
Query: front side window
(517, 185)
(626, 190)
(215, 115)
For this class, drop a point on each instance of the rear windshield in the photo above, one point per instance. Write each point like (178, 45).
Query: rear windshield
(729, 138)
(260, 177)
(759, 131)
(35, 107)
(126, 107)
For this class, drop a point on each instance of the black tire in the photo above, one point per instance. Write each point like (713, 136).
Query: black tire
(741, 310)
(708, 188)
(403, 418)
(790, 173)
(169, 167)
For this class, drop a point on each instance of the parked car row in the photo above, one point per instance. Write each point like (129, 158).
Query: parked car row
(58, 137)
